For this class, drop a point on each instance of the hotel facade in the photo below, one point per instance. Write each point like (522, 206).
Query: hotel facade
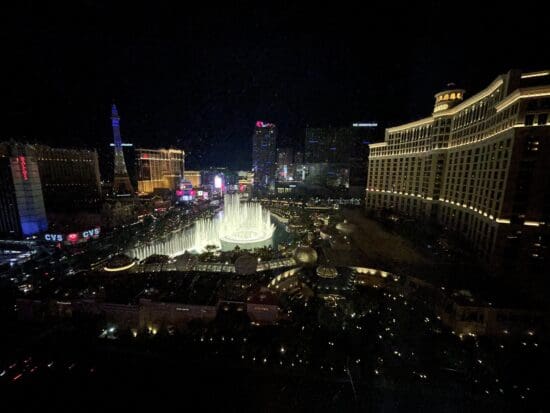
(159, 169)
(478, 166)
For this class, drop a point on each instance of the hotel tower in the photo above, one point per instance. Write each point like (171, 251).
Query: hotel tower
(478, 166)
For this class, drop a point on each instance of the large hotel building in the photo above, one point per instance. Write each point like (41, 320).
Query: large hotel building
(478, 166)
(41, 185)
(159, 169)
(70, 179)
(22, 211)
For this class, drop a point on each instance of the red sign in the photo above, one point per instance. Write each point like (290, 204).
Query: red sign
(23, 164)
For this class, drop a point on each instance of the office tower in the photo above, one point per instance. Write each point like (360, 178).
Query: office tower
(339, 145)
(299, 157)
(264, 153)
(285, 164)
(344, 150)
(214, 180)
(477, 166)
(22, 211)
(70, 179)
(121, 180)
(159, 169)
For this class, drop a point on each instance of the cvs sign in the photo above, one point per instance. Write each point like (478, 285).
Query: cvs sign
(91, 233)
(53, 237)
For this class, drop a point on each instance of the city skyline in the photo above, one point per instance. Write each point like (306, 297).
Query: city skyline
(204, 92)
(276, 207)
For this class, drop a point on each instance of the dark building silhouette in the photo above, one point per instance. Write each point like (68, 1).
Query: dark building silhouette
(264, 155)
(70, 179)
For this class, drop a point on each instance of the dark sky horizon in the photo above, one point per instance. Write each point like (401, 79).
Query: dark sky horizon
(199, 80)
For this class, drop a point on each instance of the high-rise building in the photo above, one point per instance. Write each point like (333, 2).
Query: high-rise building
(478, 166)
(214, 180)
(70, 179)
(121, 181)
(159, 169)
(343, 148)
(22, 211)
(264, 155)
(338, 145)
(285, 164)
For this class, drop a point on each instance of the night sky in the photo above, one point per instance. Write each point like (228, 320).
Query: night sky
(200, 79)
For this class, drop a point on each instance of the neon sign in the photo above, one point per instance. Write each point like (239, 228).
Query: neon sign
(24, 171)
(261, 124)
(91, 233)
(53, 237)
(74, 237)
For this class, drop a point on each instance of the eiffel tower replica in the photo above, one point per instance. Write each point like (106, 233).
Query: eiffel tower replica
(121, 181)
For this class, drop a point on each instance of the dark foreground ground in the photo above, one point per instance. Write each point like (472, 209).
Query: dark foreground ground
(150, 383)
(59, 368)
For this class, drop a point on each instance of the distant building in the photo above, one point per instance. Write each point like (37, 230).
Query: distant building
(194, 177)
(246, 181)
(22, 211)
(477, 166)
(159, 169)
(338, 145)
(70, 179)
(343, 148)
(67, 188)
(264, 155)
(213, 180)
(285, 164)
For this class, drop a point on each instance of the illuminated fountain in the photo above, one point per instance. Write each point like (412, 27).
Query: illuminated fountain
(245, 225)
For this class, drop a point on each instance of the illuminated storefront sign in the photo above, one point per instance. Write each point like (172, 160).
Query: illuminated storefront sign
(91, 233)
(217, 182)
(74, 237)
(53, 237)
